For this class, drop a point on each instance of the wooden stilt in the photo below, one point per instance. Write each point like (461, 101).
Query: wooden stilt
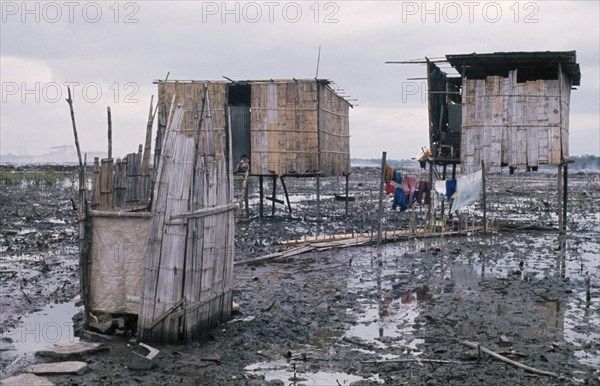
(261, 196)
(287, 198)
(381, 187)
(443, 219)
(431, 195)
(565, 193)
(561, 225)
(318, 198)
(274, 195)
(483, 197)
(347, 175)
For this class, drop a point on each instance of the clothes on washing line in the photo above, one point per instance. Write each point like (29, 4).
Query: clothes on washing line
(409, 185)
(400, 199)
(467, 190)
(397, 177)
(389, 188)
(388, 173)
(424, 190)
(450, 188)
(445, 189)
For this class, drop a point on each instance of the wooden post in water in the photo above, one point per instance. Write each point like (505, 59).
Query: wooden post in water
(565, 192)
(561, 225)
(347, 175)
(483, 199)
(274, 194)
(381, 189)
(261, 196)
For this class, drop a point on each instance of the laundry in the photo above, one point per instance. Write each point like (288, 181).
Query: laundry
(389, 173)
(445, 189)
(450, 188)
(397, 177)
(409, 185)
(440, 188)
(467, 190)
(389, 188)
(424, 196)
(400, 199)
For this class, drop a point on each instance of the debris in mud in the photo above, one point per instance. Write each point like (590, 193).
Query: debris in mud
(412, 302)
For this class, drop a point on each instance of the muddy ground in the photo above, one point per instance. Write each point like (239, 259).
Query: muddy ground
(394, 314)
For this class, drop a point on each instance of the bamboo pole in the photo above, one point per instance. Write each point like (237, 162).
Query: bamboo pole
(565, 192)
(483, 200)
(109, 131)
(491, 353)
(347, 175)
(82, 219)
(381, 187)
(70, 102)
(561, 225)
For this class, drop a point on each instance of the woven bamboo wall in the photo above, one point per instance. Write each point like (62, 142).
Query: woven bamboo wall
(515, 124)
(284, 121)
(284, 128)
(184, 93)
(334, 129)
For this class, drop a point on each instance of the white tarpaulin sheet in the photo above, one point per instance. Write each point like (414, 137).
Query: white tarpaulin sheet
(117, 254)
(467, 190)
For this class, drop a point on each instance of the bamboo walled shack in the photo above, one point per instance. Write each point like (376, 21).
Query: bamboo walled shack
(158, 243)
(295, 127)
(505, 108)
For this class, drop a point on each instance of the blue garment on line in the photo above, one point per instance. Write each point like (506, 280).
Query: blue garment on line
(450, 188)
(400, 199)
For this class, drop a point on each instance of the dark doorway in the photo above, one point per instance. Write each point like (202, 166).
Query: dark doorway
(238, 99)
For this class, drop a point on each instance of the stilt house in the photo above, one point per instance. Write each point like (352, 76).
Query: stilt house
(504, 108)
(285, 127)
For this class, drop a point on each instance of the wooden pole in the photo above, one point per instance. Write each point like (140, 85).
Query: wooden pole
(82, 220)
(381, 189)
(318, 198)
(109, 131)
(287, 198)
(443, 219)
(431, 193)
(483, 200)
(261, 195)
(347, 175)
(274, 194)
(560, 201)
(70, 102)
(491, 353)
(565, 193)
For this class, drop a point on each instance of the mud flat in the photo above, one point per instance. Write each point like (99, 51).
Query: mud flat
(394, 314)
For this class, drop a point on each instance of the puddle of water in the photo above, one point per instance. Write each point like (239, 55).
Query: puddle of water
(41, 329)
(284, 371)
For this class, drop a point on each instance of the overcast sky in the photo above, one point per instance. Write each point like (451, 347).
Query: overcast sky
(112, 51)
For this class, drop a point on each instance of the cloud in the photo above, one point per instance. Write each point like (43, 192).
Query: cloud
(191, 41)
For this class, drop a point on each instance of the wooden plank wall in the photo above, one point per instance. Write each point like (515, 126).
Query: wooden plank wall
(515, 124)
(334, 129)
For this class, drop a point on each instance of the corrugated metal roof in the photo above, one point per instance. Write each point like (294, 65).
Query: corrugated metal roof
(544, 63)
